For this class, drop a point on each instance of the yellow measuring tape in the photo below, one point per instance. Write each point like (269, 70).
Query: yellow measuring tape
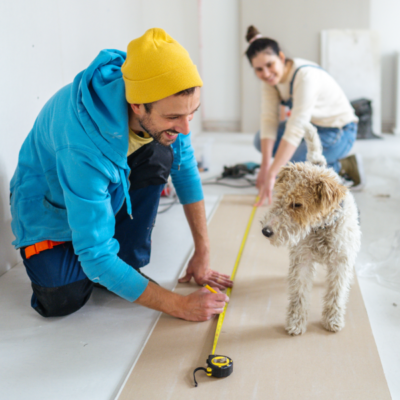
(235, 268)
(221, 366)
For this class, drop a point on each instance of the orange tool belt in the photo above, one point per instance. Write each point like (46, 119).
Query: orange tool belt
(41, 246)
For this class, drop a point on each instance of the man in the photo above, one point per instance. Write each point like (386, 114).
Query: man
(85, 193)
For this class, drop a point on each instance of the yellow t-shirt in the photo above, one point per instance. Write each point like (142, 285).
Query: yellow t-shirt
(136, 141)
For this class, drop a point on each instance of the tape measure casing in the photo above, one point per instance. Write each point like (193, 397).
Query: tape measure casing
(221, 366)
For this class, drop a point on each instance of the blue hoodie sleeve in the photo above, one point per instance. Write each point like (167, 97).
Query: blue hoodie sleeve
(85, 179)
(184, 172)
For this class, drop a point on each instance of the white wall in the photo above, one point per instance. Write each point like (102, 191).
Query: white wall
(220, 64)
(180, 19)
(385, 19)
(360, 75)
(45, 43)
(296, 25)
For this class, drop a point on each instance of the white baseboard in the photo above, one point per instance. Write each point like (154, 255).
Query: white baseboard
(221, 126)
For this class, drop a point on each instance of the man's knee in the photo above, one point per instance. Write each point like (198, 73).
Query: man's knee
(62, 300)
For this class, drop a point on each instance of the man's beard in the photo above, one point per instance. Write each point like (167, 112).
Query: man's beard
(156, 135)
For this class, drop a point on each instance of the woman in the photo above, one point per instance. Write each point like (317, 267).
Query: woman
(313, 96)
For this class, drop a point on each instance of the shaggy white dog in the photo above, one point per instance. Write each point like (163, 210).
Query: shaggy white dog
(316, 217)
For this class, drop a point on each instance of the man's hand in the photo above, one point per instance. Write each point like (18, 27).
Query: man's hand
(198, 268)
(200, 305)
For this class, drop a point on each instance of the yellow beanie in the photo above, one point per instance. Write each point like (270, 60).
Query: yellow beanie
(156, 67)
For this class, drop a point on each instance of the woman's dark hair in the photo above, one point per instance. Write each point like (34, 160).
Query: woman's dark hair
(259, 45)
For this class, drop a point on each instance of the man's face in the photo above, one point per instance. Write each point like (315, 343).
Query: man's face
(169, 117)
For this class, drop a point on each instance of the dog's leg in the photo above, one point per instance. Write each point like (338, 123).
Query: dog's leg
(339, 278)
(300, 284)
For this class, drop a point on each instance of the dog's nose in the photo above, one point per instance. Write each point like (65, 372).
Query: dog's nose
(267, 231)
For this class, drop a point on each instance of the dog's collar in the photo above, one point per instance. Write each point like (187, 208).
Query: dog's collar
(327, 225)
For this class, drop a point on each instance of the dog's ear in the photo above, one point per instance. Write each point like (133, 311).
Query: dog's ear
(284, 173)
(330, 193)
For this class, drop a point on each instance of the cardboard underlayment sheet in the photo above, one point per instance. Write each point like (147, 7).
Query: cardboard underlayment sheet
(268, 363)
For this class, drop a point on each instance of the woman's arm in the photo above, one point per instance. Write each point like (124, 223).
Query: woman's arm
(283, 155)
(305, 94)
(269, 118)
(269, 127)
(267, 146)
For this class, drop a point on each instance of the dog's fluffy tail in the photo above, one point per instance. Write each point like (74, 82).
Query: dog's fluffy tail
(314, 146)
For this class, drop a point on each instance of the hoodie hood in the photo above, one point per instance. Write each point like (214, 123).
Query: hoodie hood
(101, 108)
(100, 105)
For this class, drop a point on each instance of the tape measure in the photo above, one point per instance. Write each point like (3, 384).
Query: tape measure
(217, 365)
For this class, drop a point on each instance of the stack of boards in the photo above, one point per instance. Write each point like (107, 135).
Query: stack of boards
(268, 363)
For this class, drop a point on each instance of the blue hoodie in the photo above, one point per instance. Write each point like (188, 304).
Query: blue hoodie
(72, 174)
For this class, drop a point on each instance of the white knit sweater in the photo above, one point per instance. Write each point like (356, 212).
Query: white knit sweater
(317, 98)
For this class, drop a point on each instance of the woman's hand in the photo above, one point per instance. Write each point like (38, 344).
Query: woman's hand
(267, 176)
(265, 184)
(260, 184)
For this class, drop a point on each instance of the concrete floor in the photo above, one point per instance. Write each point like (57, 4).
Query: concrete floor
(87, 355)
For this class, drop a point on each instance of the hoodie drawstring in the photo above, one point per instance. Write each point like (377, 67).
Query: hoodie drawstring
(126, 192)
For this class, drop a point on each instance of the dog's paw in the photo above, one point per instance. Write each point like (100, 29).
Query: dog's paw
(333, 323)
(295, 326)
(295, 330)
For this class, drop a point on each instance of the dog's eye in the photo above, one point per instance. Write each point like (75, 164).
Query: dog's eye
(297, 205)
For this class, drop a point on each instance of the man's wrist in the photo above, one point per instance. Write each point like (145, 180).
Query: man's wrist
(179, 310)
(175, 306)
(202, 249)
(160, 299)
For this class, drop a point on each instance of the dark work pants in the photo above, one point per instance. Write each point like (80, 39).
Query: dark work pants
(60, 286)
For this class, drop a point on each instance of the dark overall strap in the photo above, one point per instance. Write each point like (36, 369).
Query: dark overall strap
(150, 165)
(289, 102)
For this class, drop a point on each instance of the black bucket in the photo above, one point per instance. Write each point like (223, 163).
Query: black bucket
(363, 110)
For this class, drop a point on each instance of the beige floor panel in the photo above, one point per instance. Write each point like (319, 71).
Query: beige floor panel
(268, 363)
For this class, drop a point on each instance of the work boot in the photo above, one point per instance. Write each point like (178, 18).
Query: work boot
(352, 172)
